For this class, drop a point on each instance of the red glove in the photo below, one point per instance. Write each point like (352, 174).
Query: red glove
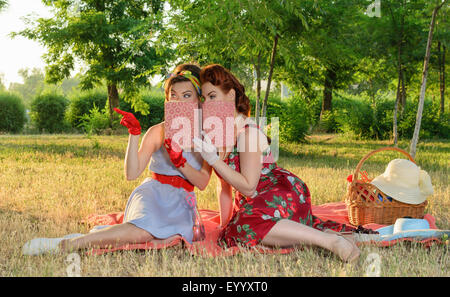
(129, 121)
(176, 157)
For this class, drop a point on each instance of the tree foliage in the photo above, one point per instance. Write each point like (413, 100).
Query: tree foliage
(317, 48)
(3, 4)
(237, 34)
(113, 39)
(33, 84)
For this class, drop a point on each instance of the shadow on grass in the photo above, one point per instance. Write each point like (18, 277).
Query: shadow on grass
(8, 215)
(93, 150)
(321, 155)
(345, 154)
(329, 152)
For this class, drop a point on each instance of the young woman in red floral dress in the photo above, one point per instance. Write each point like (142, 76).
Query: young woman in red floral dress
(272, 206)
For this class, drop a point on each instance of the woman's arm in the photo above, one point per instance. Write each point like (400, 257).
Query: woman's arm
(226, 202)
(199, 178)
(250, 164)
(136, 160)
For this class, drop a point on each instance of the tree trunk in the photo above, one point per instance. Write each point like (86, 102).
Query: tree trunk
(415, 138)
(269, 79)
(258, 87)
(400, 64)
(403, 93)
(330, 78)
(441, 76)
(113, 100)
(372, 91)
(397, 100)
(400, 85)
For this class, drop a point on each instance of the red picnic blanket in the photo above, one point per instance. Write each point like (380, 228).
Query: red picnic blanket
(335, 211)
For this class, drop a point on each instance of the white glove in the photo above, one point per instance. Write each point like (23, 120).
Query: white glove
(206, 149)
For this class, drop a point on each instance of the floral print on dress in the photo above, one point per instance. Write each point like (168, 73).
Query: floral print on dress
(284, 209)
(248, 236)
(279, 195)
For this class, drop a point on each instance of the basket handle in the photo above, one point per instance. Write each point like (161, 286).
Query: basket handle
(389, 148)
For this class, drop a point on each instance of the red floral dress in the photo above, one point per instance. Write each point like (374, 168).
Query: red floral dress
(279, 195)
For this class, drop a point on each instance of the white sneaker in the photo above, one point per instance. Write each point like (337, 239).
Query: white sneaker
(39, 246)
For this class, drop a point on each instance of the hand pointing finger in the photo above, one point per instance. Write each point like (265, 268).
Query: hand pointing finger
(120, 111)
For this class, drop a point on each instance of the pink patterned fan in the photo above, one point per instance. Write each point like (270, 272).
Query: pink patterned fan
(218, 122)
(182, 123)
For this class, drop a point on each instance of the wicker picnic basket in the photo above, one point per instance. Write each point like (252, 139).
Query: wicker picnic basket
(367, 204)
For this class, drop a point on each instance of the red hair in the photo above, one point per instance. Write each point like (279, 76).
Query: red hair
(220, 77)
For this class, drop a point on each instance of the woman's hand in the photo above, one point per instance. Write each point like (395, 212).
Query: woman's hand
(199, 178)
(129, 121)
(176, 157)
(206, 149)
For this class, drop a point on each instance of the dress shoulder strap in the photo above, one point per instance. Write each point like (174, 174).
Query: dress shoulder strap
(246, 126)
(256, 126)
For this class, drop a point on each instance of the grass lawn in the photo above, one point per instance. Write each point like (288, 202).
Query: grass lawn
(49, 183)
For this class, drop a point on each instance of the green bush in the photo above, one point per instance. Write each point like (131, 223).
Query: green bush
(12, 113)
(294, 116)
(155, 100)
(382, 120)
(156, 104)
(328, 122)
(96, 121)
(275, 108)
(47, 113)
(86, 110)
(81, 103)
(375, 121)
(359, 117)
(274, 105)
(433, 125)
(355, 117)
(295, 120)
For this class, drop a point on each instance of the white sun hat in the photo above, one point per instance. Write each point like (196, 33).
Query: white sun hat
(404, 181)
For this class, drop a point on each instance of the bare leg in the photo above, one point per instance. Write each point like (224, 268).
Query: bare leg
(114, 236)
(287, 233)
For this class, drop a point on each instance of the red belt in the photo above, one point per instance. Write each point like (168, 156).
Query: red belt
(174, 180)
